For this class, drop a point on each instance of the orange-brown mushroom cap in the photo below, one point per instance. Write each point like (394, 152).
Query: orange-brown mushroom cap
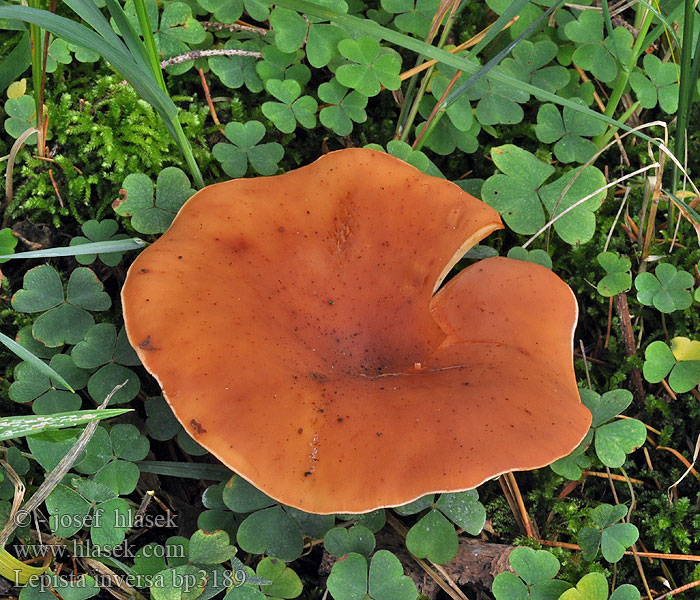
(291, 323)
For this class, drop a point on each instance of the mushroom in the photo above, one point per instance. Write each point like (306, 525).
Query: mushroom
(293, 325)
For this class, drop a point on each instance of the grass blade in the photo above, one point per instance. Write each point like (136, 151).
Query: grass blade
(468, 66)
(35, 361)
(119, 58)
(88, 11)
(687, 84)
(484, 71)
(16, 62)
(514, 9)
(187, 470)
(131, 37)
(91, 248)
(13, 427)
(149, 42)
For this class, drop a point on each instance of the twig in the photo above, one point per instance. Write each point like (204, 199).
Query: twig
(612, 476)
(607, 331)
(659, 555)
(195, 54)
(207, 95)
(656, 196)
(55, 188)
(630, 345)
(513, 488)
(682, 458)
(585, 364)
(216, 26)
(683, 588)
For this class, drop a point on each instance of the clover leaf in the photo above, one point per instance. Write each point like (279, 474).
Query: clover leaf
(528, 64)
(416, 158)
(594, 586)
(242, 497)
(92, 505)
(594, 54)
(444, 137)
(110, 354)
(178, 28)
(271, 531)
(370, 66)
(48, 396)
(210, 548)
(342, 108)
(311, 525)
(48, 586)
(657, 83)
(666, 290)
(21, 113)
(412, 16)
(572, 465)
(685, 349)
(229, 11)
(322, 43)
(618, 278)
(568, 132)
(537, 256)
(464, 509)
(578, 225)
(153, 212)
(340, 541)
(498, 103)
(49, 447)
(99, 231)
(349, 579)
(289, 28)
(65, 317)
(282, 65)
(660, 360)
(514, 191)
(283, 582)
(613, 440)
(161, 423)
(110, 456)
(460, 111)
(68, 511)
(244, 149)
(292, 108)
(607, 535)
(518, 194)
(433, 536)
(83, 55)
(533, 578)
(234, 71)
(374, 521)
(8, 241)
(184, 582)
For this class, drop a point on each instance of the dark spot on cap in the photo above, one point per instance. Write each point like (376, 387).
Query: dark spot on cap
(146, 344)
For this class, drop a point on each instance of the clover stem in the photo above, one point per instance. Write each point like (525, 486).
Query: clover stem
(663, 325)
